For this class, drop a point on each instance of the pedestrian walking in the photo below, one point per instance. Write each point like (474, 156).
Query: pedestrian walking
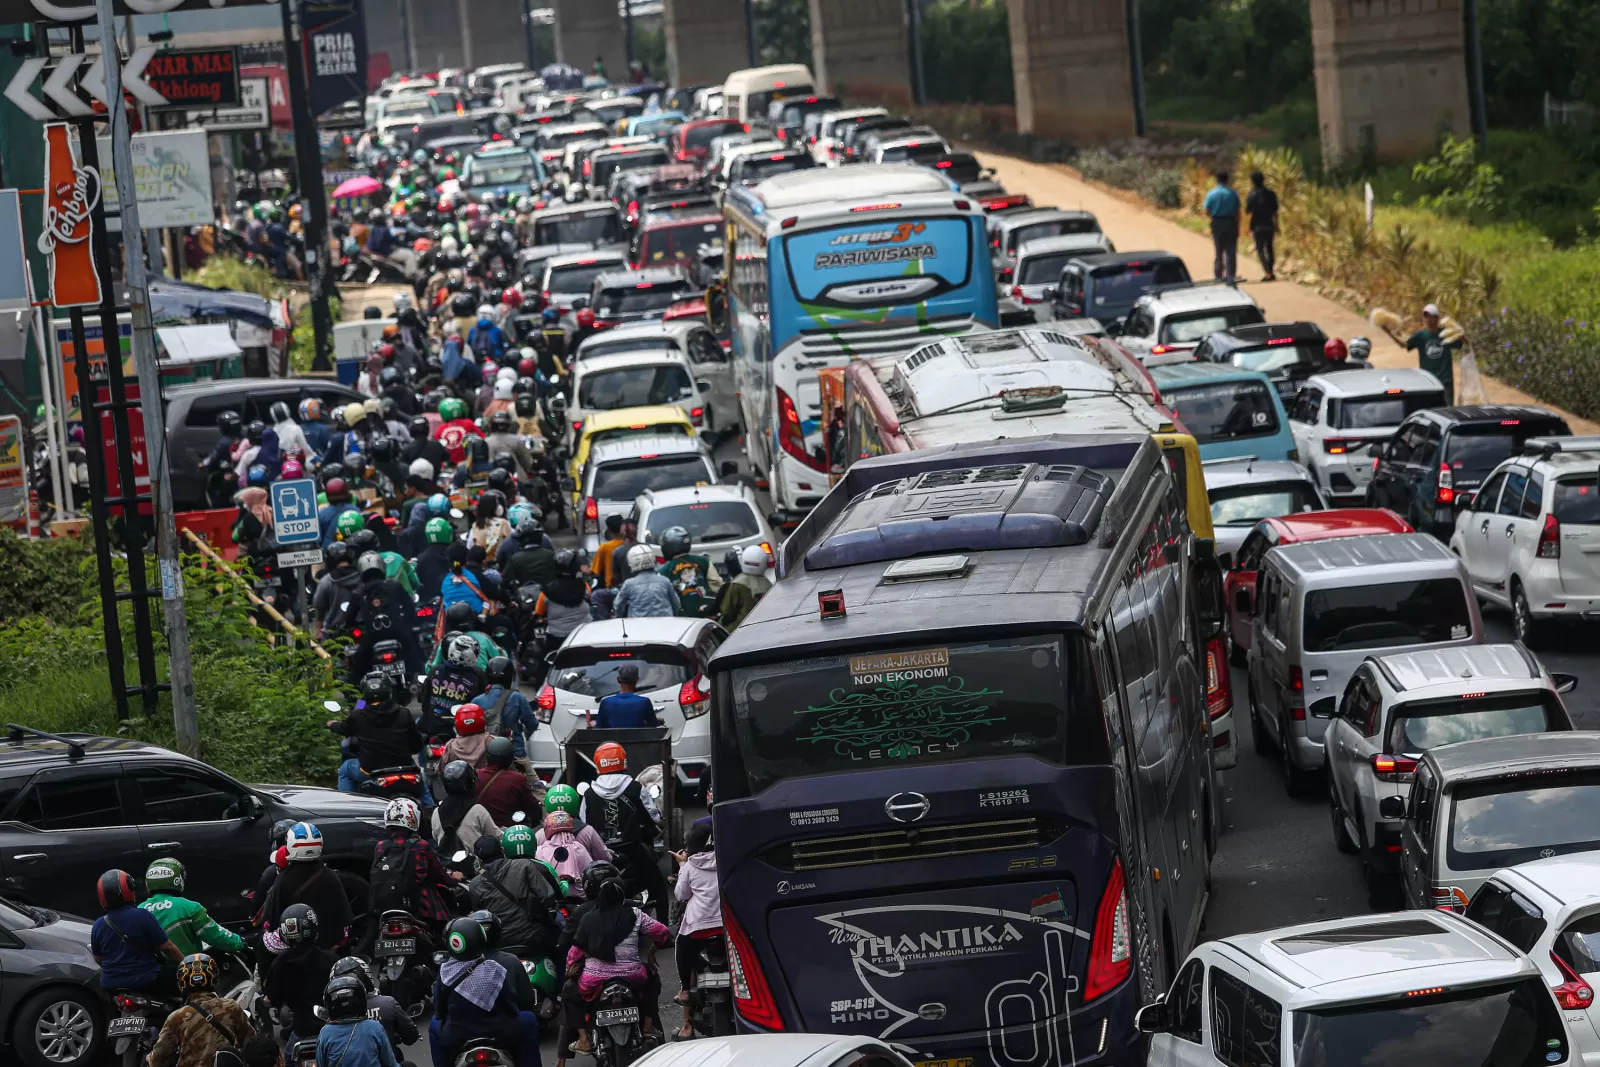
(1434, 351)
(1222, 205)
(1262, 206)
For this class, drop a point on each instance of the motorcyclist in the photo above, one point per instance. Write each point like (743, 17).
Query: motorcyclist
(435, 506)
(453, 677)
(573, 1010)
(313, 427)
(520, 892)
(533, 563)
(333, 604)
(433, 562)
(291, 438)
(385, 733)
(552, 344)
(493, 937)
(399, 569)
(648, 593)
(386, 1010)
(504, 437)
(564, 602)
(460, 820)
(222, 476)
(503, 788)
(746, 587)
(296, 977)
(470, 742)
(627, 819)
(565, 798)
(339, 503)
(609, 942)
(383, 613)
(186, 922)
(455, 427)
(133, 951)
(690, 574)
(506, 711)
(353, 1037)
(698, 890)
(306, 881)
(488, 1009)
(206, 1023)
(423, 446)
(406, 873)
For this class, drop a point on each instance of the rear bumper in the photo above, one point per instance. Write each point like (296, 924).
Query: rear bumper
(1224, 742)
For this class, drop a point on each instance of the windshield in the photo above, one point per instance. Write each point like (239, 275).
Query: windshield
(589, 227)
(654, 429)
(653, 126)
(887, 709)
(1226, 411)
(1049, 228)
(562, 138)
(1421, 726)
(634, 387)
(650, 296)
(702, 136)
(19, 916)
(578, 278)
(1276, 356)
(641, 160)
(1125, 283)
(510, 170)
(627, 479)
(1511, 1025)
(1502, 823)
(678, 242)
(1380, 412)
(757, 168)
(907, 260)
(1249, 503)
(629, 344)
(757, 103)
(592, 672)
(1577, 500)
(1383, 616)
(915, 153)
(1187, 329)
(717, 520)
(1477, 450)
(1046, 269)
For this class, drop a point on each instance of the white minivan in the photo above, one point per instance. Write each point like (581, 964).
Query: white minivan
(746, 93)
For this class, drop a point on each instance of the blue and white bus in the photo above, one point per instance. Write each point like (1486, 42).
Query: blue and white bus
(825, 265)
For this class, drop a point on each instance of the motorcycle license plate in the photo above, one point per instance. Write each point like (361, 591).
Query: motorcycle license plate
(396, 946)
(713, 980)
(126, 1026)
(616, 1016)
(957, 1061)
(270, 583)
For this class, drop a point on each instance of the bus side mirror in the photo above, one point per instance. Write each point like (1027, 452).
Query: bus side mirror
(1392, 807)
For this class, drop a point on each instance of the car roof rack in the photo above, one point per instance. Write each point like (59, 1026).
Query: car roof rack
(16, 733)
(1549, 446)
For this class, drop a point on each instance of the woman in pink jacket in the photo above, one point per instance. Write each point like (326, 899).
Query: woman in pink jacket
(702, 915)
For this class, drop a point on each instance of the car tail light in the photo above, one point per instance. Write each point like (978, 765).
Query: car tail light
(1574, 994)
(1338, 446)
(751, 994)
(790, 436)
(1111, 951)
(697, 416)
(694, 700)
(1160, 350)
(1449, 898)
(545, 703)
(1447, 491)
(591, 515)
(1020, 296)
(1006, 273)
(1393, 768)
(1550, 538)
(1219, 686)
(577, 427)
(1297, 694)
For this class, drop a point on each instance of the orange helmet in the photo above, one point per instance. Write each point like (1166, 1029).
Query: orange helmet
(469, 720)
(610, 757)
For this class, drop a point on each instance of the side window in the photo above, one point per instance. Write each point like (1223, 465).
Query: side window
(1401, 444)
(1427, 450)
(1509, 914)
(1185, 1002)
(1246, 1024)
(1267, 601)
(1485, 500)
(72, 803)
(1372, 709)
(203, 410)
(1425, 795)
(1533, 496)
(1579, 944)
(1511, 496)
(1306, 405)
(172, 796)
(1285, 604)
(1251, 551)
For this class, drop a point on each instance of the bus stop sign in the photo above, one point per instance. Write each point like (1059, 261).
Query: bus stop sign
(294, 511)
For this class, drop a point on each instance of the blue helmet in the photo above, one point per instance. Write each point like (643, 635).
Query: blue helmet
(551, 316)
(515, 513)
(438, 504)
(257, 475)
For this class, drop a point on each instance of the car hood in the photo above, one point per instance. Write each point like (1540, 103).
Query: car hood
(61, 944)
(326, 803)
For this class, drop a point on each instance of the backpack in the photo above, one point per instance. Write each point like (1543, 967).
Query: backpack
(577, 856)
(392, 882)
(228, 1055)
(482, 343)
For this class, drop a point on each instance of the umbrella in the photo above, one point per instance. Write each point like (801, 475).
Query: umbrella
(362, 186)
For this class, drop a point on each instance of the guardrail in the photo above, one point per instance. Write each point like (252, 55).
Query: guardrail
(294, 632)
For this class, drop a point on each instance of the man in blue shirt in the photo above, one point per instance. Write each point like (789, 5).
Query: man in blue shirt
(625, 710)
(128, 941)
(1222, 205)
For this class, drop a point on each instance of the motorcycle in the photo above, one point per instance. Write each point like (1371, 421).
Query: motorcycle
(710, 1009)
(546, 982)
(131, 1033)
(618, 1036)
(388, 658)
(386, 782)
(402, 957)
(427, 617)
(303, 1054)
(483, 1052)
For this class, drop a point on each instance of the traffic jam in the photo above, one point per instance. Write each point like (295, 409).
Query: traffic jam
(799, 594)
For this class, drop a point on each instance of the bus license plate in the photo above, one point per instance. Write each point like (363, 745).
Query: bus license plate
(616, 1016)
(713, 980)
(126, 1026)
(399, 946)
(958, 1061)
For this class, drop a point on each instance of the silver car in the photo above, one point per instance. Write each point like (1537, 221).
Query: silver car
(719, 518)
(1244, 490)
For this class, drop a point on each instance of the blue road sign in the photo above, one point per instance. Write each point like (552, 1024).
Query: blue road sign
(294, 511)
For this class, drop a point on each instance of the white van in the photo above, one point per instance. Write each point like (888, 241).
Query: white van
(746, 93)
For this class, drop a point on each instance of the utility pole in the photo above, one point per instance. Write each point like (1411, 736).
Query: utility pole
(185, 719)
(627, 27)
(308, 162)
(529, 31)
(750, 29)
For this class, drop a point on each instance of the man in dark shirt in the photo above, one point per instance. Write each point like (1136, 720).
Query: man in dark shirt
(1434, 351)
(626, 709)
(1261, 204)
(128, 941)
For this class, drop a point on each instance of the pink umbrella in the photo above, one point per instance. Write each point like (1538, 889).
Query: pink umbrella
(362, 186)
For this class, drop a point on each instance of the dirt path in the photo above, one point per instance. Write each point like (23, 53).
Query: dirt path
(1133, 226)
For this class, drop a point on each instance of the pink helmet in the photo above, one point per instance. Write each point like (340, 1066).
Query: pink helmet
(292, 469)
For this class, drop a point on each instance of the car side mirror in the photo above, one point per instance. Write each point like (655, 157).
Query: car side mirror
(1326, 708)
(1375, 450)
(1051, 292)
(1225, 560)
(1152, 1018)
(1392, 807)
(1241, 601)
(1564, 683)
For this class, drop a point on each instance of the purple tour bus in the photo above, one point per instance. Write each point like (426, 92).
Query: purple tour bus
(963, 784)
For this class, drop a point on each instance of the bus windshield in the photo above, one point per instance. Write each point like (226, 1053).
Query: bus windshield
(877, 264)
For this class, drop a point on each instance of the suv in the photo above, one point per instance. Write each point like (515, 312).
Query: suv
(1336, 417)
(1397, 707)
(72, 806)
(1106, 287)
(636, 295)
(1425, 471)
(719, 518)
(1245, 490)
(665, 238)
(1531, 536)
(1424, 988)
(1009, 230)
(1039, 263)
(594, 225)
(923, 147)
(1167, 323)
(757, 165)
(1286, 352)
(619, 471)
(570, 277)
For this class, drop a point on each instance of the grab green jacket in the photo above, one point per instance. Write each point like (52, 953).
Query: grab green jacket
(188, 925)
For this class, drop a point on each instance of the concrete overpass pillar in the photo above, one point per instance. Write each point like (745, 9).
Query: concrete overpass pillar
(491, 32)
(436, 33)
(386, 31)
(706, 41)
(1390, 75)
(1073, 74)
(589, 28)
(859, 48)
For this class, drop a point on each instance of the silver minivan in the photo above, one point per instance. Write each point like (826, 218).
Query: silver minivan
(1321, 608)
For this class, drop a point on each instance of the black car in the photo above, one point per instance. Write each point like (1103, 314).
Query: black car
(1105, 287)
(1437, 457)
(73, 806)
(192, 412)
(51, 1008)
(1286, 352)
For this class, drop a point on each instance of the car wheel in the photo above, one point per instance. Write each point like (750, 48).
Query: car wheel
(1295, 781)
(1341, 836)
(1258, 732)
(1524, 627)
(58, 1028)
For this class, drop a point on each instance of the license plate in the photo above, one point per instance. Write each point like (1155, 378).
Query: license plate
(955, 1061)
(713, 980)
(624, 1016)
(127, 1026)
(399, 946)
(269, 583)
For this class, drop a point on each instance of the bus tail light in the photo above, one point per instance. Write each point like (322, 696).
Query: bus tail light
(1574, 994)
(1219, 686)
(1111, 951)
(694, 698)
(545, 703)
(791, 438)
(1550, 538)
(1447, 491)
(751, 994)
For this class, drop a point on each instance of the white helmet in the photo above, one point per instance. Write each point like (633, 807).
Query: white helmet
(449, 246)
(503, 389)
(641, 558)
(403, 811)
(462, 652)
(753, 560)
(1359, 348)
(402, 300)
(485, 311)
(527, 353)
(421, 468)
(506, 374)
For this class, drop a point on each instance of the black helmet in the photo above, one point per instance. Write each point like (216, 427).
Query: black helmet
(336, 554)
(376, 688)
(504, 461)
(344, 998)
(421, 428)
(499, 751)
(500, 481)
(459, 778)
(230, 423)
(675, 541)
(501, 670)
(382, 449)
(490, 923)
(115, 889)
(730, 563)
(355, 967)
(524, 384)
(330, 471)
(597, 874)
(298, 925)
(524, 403)
(388, 376)
(279, 412)
(567, 563)
(462, 305)
(477, 450)
(362, 541)
(465, 939)
(460, 616)
(255, 430)
(501, 422)
(280, 831)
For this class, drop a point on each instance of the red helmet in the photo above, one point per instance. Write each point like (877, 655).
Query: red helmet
(472, 211)
(336, 489)
(511, 297)
(527, 368)
(115, 889)
(585, 318)
(1334, 349)
(386, 351)
(469, 720)
(610, 757)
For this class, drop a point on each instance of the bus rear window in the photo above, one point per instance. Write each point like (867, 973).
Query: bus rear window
(928, 704)
(880, 263)
(679, 241)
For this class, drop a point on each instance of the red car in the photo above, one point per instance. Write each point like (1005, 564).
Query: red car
(665, 239)
(691, 142)
(1239, 580)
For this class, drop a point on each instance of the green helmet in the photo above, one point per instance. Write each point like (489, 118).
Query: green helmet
(562, 798)
(452, 408)
(438, 531)
(349, 522)
(544, 976)
(164, 875)
(393, 564)
(518, 841)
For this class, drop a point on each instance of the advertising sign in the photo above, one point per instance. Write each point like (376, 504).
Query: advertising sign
(13, 475)
(15, 291)
(191, 77)
(253, 112)
(17, 11)
(137, 446)
(97, 358)
(172, 172)
(70, 192)
(277, 91)
(336, 52)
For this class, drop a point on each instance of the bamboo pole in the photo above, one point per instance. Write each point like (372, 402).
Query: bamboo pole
(288, 627)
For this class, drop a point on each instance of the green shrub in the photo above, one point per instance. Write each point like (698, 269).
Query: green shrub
(43, 578)
(966, 53)
(1554, 359)
(1159, 182)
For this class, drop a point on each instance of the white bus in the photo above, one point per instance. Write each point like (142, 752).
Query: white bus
(746, 93)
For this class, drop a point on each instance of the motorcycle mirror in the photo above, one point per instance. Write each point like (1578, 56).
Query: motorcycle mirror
(655, 792)
(422, 677)
(333, 706)
(320, 1012)
(519, 816)
(561, 854)
(457, 513)
(459, 857)
(344, 606)
(583, 787)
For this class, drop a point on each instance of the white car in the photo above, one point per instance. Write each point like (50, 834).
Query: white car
(719, 518)
(713, 373)
(1398, 988)
(670, 655)
(1039, 263)
(1166, 324)
(634, 378)
(617, 472)
(775, 1050)
(724, 162)
(1550, 909)
(1336, 417)
(1244, 490)
(569, 278)
(1530, 535)
(826, 149)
